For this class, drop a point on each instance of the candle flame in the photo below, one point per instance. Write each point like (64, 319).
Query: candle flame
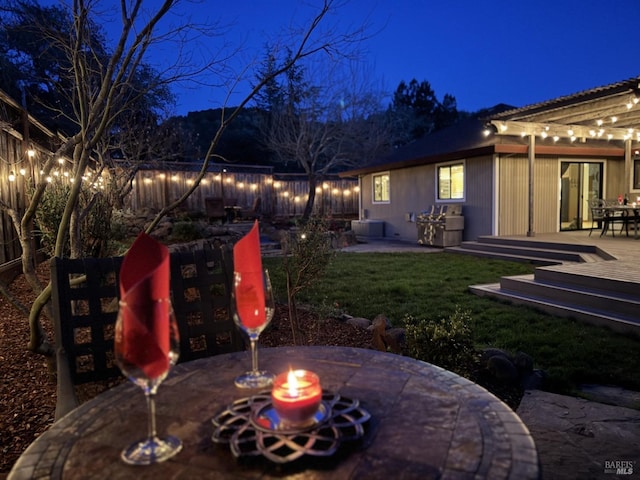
(293, 383)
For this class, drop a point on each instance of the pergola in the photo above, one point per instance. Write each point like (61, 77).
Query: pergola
(609, 114)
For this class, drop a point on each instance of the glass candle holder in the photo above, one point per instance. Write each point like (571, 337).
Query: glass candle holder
(296, 397)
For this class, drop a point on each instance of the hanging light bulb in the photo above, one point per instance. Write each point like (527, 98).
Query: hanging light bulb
(23, 172)
(12, 176)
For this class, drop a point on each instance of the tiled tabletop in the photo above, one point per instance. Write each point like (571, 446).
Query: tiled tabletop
(426, 423)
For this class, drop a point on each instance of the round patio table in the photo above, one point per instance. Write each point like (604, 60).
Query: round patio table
(425, 422)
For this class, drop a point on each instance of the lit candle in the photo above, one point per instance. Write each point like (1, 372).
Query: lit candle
(296, 396)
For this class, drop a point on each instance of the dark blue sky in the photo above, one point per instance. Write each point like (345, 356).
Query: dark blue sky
(483, 52)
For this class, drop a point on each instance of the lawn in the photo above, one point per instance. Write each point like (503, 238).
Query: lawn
(431, 286)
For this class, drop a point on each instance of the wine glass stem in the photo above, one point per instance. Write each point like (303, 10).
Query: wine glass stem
(254, 354)
(151, 421)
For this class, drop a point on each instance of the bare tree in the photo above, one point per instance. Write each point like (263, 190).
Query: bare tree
(104, 90)
(326, 121)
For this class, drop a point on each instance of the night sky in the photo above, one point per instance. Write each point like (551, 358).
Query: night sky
(483, 52)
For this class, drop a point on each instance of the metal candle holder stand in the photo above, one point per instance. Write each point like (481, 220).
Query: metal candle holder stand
(251, 428)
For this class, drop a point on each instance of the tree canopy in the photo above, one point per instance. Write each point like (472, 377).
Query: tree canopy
(416, 111)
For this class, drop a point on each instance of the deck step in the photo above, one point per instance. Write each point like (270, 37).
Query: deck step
(593, 299)
(570, 280)
(618, 323)
(504, 256)
(562, 255)
(615, 278)
(532, 243)
(533, 251)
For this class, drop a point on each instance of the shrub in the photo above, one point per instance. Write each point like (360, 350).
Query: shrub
(49, 214)
(185, 231)
(307, 254)
(446, 342)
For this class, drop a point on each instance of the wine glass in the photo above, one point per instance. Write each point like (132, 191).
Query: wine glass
(247, 314)
(142, 359)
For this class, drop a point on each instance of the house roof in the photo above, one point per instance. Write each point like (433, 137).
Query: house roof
(585, 123)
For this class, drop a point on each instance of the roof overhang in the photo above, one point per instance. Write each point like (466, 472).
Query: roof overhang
(610, 113)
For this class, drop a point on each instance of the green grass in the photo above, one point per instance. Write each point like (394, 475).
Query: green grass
(430, 286)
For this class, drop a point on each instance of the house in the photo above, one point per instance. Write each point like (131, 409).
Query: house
(516, 171)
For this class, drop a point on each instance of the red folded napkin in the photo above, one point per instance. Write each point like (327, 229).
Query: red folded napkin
(144, 291)
(249, 290)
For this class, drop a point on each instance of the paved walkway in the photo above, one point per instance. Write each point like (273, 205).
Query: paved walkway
(575, 438)
(580, 439)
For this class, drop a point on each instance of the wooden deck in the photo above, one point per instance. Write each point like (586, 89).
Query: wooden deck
(591, 278)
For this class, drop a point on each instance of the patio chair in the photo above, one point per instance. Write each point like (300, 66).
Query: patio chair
(85, 294)
(214, 207)
(599, 217)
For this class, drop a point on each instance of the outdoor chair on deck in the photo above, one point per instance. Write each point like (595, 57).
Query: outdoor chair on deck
(599, 218)
(613, 217)
(85, 314)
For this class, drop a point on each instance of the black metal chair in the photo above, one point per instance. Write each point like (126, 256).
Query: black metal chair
(599, 218)
(85, 294)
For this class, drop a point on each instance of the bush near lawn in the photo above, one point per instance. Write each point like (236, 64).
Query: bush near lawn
(435, 286)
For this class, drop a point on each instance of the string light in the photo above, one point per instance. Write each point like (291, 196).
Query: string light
(12, 176)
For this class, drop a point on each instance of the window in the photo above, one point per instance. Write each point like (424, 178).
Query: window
(381, 188)
(636, 174)
(450, 181)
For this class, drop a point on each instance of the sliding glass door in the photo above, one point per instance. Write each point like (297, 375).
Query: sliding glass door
(581, 182)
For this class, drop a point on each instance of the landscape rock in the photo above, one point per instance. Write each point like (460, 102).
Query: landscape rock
(359, 322)
(395, 340)
(523, 362)
(532, 380)
(487, 353)
(503, 369)
(381, 323)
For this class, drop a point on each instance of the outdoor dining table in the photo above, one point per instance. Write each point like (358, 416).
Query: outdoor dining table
(626, 213)
(425, 422)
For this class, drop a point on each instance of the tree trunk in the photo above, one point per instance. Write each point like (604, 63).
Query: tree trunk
(308, 209)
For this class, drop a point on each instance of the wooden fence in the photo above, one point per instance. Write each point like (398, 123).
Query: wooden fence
(280, 194)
